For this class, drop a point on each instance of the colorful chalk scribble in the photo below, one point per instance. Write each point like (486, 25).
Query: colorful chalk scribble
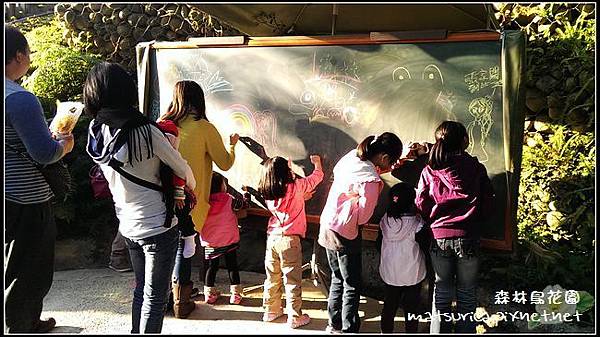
(481, 108)
(331, 92)
(260, 125)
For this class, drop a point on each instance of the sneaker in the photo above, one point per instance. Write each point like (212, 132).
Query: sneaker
(45, 326)
(235, 299)
(331, 330)
(271, 316)
(298, 321)
(195, 292)
(211, 298)
(121, 268)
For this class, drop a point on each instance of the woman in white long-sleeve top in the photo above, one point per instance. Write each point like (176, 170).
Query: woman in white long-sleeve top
(129, 149)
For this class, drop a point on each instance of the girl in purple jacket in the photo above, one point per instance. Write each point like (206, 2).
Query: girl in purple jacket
(454, 195)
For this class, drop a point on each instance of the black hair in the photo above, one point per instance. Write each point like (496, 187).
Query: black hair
(402, 200)
(387, 143)
(273, 184)
(108, 85)
(450, 139)
(15, 42)
(216, 182)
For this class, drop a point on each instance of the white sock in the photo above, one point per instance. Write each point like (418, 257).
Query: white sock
(189, 246)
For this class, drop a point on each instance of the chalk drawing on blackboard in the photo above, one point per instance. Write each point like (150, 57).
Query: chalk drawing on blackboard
(433, 73)
(481, 108)
(210, 81)
(400, 74)
(261, 125)
(330, 93)
(483, 78)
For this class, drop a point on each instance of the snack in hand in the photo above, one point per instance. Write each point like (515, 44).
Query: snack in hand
(67, 114)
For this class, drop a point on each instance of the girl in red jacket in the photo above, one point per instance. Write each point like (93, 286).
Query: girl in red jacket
(220, 236)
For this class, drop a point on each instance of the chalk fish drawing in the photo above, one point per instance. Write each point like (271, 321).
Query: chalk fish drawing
(330, 93)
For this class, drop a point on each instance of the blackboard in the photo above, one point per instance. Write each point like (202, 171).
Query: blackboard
(300, 99)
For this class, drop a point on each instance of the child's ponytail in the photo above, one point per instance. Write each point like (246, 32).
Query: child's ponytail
(450, 139)
(362, 150)
(387, 143)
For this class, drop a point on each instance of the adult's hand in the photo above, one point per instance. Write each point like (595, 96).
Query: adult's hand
(190, 193)
(67, 142)
(233, 139)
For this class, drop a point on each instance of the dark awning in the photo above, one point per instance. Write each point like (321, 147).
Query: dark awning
(317, 19)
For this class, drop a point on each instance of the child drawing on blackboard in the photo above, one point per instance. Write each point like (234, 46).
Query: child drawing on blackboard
(454, 195)
(220, 236)
(284, 195)
(351, 201)
(402, 263)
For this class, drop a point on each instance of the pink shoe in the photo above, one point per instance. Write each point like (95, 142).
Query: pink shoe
(298, 321)
(236, 294)
(235, 299)
(271, 316)
(211, 294)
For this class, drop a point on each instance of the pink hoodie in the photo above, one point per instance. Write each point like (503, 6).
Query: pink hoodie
(221, 226)
(352, 197)
(289, 215)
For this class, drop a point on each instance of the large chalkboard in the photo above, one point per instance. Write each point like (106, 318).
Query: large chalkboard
(297, 100)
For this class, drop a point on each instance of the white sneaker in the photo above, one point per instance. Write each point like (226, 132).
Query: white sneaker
(330, 330)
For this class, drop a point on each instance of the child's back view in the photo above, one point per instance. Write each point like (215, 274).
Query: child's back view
(402, 263)
(284, 195)
(454, 196)
(220, 236)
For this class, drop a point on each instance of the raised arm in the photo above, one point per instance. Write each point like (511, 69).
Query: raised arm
(216, 149)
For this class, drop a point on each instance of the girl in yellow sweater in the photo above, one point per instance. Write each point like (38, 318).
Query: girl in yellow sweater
(201, 145)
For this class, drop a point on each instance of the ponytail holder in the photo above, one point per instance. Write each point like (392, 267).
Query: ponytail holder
(395, 199)
(373, 141)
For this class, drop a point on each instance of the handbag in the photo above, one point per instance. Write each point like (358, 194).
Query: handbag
(57, 175)
(99, 183)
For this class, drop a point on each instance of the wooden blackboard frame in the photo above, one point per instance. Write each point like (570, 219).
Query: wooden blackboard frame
(513, 57)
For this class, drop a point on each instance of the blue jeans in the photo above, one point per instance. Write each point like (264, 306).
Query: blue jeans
(182, 272)
(456, 264)
(345, 288)
(152, 260)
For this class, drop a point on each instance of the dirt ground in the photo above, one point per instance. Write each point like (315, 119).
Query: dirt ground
(98, 301)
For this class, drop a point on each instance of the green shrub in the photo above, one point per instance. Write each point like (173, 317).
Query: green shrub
(61, 74)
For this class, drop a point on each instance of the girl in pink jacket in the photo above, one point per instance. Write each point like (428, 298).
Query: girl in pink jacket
(220, 236)
(351, 202)
(284, 196)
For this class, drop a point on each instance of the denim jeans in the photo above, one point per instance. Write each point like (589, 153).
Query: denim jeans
(182, 272)
(346, 279)
(456, 264)
(152, 260)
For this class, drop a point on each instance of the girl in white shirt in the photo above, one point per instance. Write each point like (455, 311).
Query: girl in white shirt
(402, 263)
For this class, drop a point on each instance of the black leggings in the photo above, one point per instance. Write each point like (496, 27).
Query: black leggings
(409, 297)
(212, 266)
